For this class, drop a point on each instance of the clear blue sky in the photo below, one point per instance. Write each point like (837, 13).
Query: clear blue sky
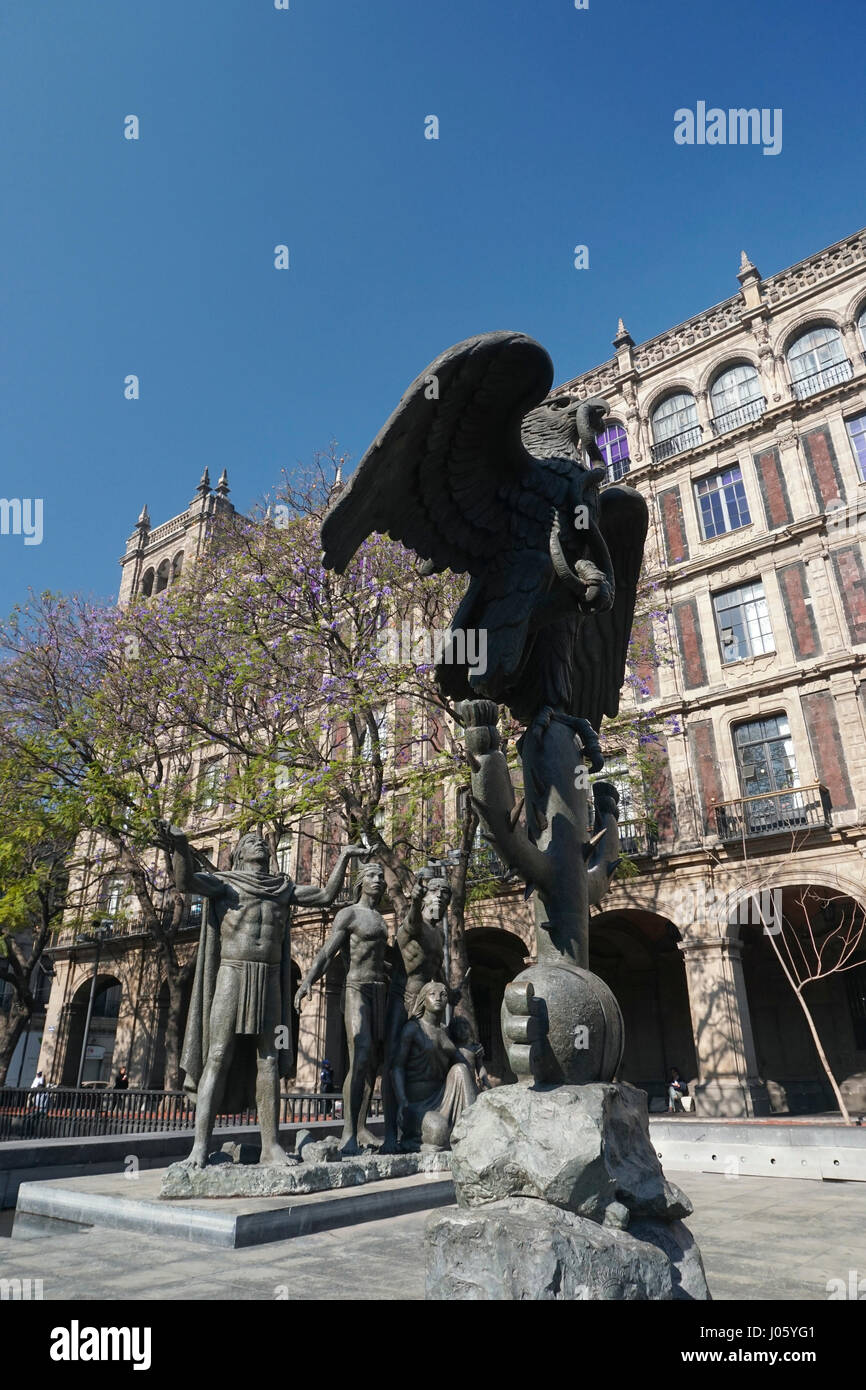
(306, 127)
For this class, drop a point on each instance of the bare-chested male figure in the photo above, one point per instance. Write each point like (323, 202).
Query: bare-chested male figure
(361, 933)
(239, 1026)
(421, 947)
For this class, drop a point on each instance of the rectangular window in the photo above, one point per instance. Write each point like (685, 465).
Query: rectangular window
(196, 902)
(857, 435)
(380, 717)
(113, 895)
(210, 785)
(722, 504)
(743, 623)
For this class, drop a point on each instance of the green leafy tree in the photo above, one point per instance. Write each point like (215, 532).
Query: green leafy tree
(36, 838)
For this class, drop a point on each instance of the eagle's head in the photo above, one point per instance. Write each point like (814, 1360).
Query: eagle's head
(565, 428)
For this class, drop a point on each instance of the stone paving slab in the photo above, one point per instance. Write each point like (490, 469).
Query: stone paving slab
(810, 1233)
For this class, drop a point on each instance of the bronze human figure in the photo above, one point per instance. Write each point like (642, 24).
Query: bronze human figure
(238, 1040)
(432, 1081)
(420, 953)
(359, 931)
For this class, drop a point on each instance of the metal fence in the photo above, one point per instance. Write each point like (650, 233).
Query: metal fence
(771, 813)
(71, 1113)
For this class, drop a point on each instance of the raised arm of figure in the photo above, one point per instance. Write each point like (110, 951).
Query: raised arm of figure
(186, 876)
(323, 897)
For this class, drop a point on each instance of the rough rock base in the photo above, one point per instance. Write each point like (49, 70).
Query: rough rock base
(258, 1180)
(527, 1250)
(563, 1197)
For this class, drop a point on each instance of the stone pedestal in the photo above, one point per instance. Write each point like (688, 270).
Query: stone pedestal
(561, 1196)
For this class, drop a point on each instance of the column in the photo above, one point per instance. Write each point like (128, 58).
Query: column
(729, 1084)
(310, 1041)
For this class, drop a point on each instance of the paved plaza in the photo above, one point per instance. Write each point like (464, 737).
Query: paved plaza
(762, 1238)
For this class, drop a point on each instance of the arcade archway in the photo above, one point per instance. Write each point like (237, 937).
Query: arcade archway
(101, 1034)
(636, 954)
(814, 919)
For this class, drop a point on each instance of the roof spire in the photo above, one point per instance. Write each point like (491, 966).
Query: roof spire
(337, 484)
(222, 486)
(747, 273)
(143, 523)
(623, 337)
(204, 484)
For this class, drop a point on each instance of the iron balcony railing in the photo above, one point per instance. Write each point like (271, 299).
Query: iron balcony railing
(114, 927)
(638, 839)
(485, 865)
(772, 813)
(617, 469)
(823, 380)
(740, 415)
(678, 443)
(76, 1112)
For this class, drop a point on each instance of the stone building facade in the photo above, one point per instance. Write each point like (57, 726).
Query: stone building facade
(745, 429)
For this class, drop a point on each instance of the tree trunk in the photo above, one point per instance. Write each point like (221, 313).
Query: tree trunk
(823, 1059)
(172, 1036)
(465, 1007)
(12, 1026)
(810, 1023)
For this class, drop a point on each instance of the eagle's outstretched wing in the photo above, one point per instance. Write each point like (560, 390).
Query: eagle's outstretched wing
(601, 642)
(448, 474)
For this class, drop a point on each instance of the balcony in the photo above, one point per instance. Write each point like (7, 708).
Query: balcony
(122, 925)
(773, 813)
(833, 375)
(485, 866)
(677, 444)
(617, 469)
(638, 839)
(741, 415)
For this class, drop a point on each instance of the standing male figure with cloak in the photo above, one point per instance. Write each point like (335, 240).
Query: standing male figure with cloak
(238, 1040)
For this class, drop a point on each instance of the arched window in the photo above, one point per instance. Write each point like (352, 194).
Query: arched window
(675, 426)
(736, 398)
(613, 444)
(162, 576)
(861, 324)
(106, 999)
(147, 583)
(176, 566)
(817, 360)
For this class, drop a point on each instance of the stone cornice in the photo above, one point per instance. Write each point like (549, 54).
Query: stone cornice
(786, 288)
(765, 684)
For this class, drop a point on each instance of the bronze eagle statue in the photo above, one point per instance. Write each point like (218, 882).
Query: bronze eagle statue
(478, 472)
